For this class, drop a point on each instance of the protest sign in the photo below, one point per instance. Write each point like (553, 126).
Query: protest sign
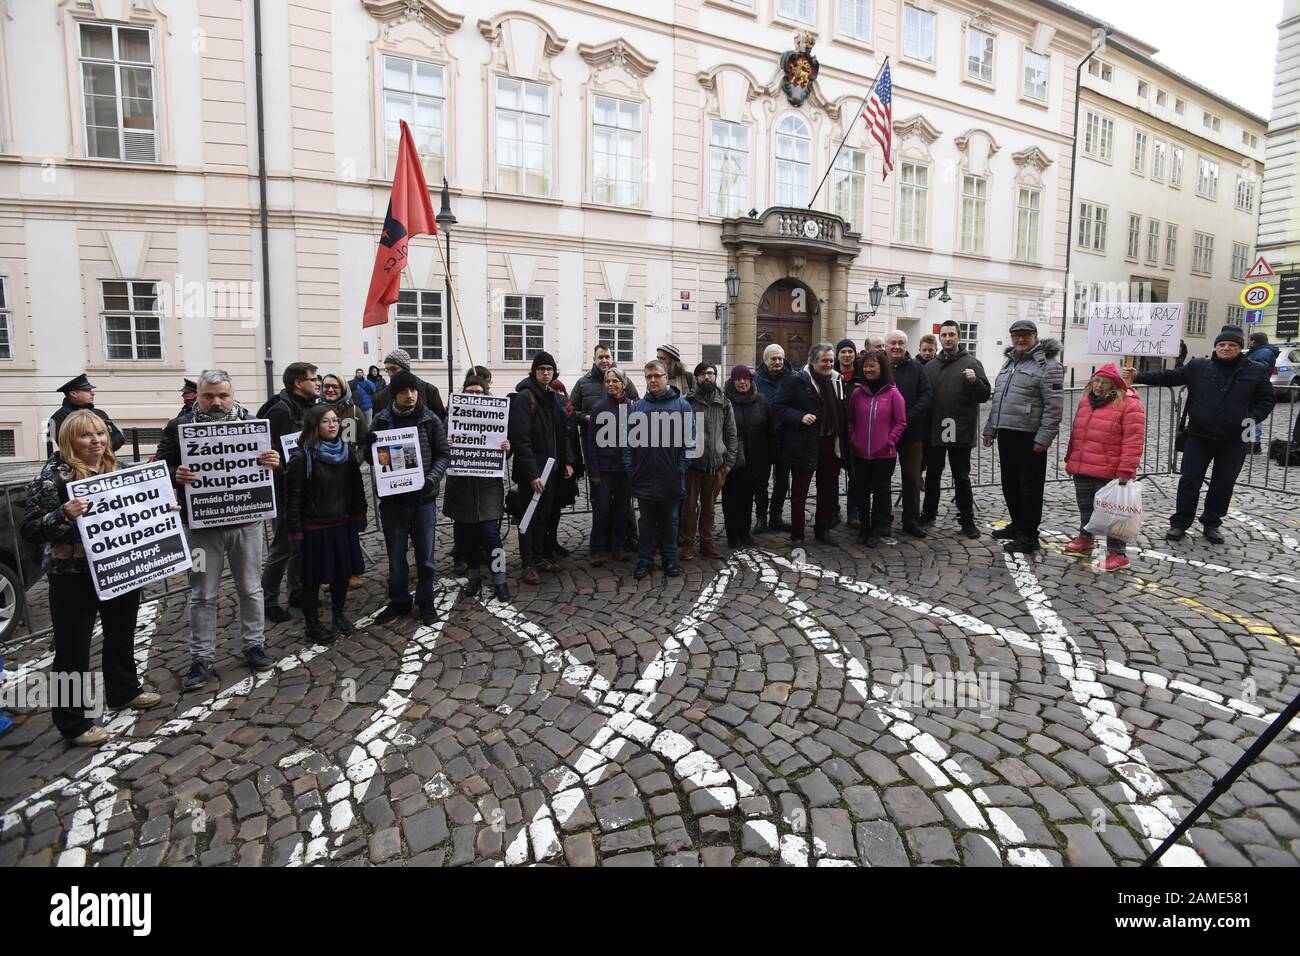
(231, 487)
(1152, 329)
(129, 531)
(397, 463)
(476, 425)
(290, 445)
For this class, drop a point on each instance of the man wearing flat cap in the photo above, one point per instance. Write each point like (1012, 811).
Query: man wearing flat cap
(1024, 419)
(78, 394)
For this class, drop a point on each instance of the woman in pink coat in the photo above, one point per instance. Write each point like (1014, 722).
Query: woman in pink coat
(877, 419)
(1105, 444)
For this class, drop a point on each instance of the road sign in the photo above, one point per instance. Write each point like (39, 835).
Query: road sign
(1254, 316)
(1257, 296)
(1260, 270)
(1288, 307)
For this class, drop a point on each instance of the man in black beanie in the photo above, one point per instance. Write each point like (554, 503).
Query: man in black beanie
(536, 433)
(1227, 396)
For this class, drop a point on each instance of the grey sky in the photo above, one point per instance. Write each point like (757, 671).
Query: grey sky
(1229, 48)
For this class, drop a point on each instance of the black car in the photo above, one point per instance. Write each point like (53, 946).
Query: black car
(20, 562)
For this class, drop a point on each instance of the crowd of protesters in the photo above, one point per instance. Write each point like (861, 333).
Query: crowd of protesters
(657, 463)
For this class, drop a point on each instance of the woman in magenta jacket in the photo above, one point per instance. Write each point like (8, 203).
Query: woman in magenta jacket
(1105, 444)
(877, 419)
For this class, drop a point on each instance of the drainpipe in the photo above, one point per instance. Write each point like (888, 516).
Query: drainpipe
(261, 182)
(1099, 36)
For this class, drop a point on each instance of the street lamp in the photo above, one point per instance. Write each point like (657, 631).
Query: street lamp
(875, 293)
(941, 291)
(732, 283)
(446, 219)
(898, 290)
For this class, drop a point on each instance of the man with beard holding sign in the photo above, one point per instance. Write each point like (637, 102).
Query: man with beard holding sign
(240, 544)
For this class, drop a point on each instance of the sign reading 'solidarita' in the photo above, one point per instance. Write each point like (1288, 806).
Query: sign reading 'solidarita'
(130, 531)
(230, 487)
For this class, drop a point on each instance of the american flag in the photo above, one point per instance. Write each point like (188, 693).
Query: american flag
(880, 117)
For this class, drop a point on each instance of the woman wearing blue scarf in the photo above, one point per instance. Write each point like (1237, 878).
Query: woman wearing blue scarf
(325, 506)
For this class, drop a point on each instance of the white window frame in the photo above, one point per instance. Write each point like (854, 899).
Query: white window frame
(798, 11)
(1198, 311)
(1177, 159)
(1084, 294)
(796, 192)
(849, 187)
(118, 65)
(1202, 253)
(514, 312)
(1091, 236)
(420, 308)
(6, 322)
(916, 231)
(1207, 178)
(137, 320)
(1028, 222)
(850, 12)
(1240, 263)
(1211, 121)
(1144, 90)
(1099, 143)
(1162, 97)
(986, 60)
(1140, 141)
(1245, 194)
(434, 160)
(1102, 70)
(1159, 158)
(1180, 105)
(737, 199)
(1171, 244)
(612, 332)
(620, 190)
(970, 334)
(524, 170)
(1025, 87)
(1134, 236)
(1153, 242)
(973, 219)
(1237, 315)
(911, 39)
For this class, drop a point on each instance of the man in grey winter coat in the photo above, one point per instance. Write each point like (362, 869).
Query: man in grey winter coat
(960, 386)
(1025, 418)
(718, 445)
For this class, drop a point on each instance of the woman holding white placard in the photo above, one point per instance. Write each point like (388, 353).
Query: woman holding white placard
(50, 519)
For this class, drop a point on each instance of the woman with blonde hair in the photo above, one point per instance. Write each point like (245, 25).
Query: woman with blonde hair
(50, 520)
(1105, 445)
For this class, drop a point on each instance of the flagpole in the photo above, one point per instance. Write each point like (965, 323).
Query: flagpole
(455, 305)
(861, 109)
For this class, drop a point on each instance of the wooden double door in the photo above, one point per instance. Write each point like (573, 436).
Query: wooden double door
(785, 316)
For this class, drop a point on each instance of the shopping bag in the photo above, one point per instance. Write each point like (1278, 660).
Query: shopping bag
(1117, 511)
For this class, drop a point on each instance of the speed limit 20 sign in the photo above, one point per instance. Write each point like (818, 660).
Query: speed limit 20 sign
(1257, 295)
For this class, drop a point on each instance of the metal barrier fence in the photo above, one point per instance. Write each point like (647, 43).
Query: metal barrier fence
(1163, 408)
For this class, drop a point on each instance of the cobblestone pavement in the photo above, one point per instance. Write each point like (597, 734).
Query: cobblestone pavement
(768, 708)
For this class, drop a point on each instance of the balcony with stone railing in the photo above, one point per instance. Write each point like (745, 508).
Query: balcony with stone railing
(792, 229)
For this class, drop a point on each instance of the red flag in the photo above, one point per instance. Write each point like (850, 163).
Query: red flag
(410, 213)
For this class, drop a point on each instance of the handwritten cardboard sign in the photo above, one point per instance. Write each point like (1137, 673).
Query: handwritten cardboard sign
(1118, 329)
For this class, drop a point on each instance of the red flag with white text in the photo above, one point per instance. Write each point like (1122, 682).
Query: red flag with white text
(410, 213)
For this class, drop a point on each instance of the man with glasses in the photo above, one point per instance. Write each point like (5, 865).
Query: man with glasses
(284, 412)
(399, 360)
(537, 432)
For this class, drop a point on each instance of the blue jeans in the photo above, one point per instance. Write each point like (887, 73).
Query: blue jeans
(416, 523)
(658, 529)
(478, 542)
(612, 501)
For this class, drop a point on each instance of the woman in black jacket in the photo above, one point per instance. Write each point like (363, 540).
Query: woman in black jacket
(50, 520)
(755, 427)
(325, 507)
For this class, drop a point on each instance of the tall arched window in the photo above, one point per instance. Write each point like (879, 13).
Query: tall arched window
(793, 161)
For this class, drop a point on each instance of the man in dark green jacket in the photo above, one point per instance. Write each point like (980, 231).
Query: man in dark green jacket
(959, 385)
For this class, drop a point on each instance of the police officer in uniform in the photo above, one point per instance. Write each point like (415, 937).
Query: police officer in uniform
(79, 393)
